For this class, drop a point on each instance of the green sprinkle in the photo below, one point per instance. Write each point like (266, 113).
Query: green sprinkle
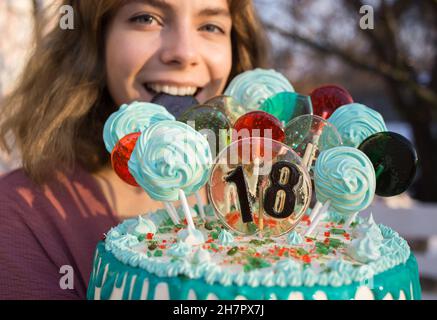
(354, 224)
(258, 263)
(180, 226)
(268, 240)
(153, 246)
(302, 252)
(141, 237)
(158, 253)
(251, 251)
(251, 227)
(232, 251)
(247, 268)
(214, 235)
(335, 243)
(149, 254)
(256, 242)
(214, 246)
(337, 231)
(209, 225)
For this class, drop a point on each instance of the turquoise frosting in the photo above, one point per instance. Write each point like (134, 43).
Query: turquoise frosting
(144, 226)
(294, 238)
(392, 281)
(191, 236)
(253, 87)
(130, 118)
(365, 249)
(179, 250)
(355, 122)
(346, 177)
(225, 238)
(201, 257)
(368, 227)
(393, 251)
(170, 156)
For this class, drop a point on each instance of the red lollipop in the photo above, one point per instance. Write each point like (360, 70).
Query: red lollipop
(120, 157)
(256, 122)
(326, 99)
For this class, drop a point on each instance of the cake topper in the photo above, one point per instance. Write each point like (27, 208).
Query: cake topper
(280, 197)
(170, 161)
(345, 181)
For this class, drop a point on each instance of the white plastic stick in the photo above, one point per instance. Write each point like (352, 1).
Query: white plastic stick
(317, 218)
(351, 219)
(171, 212)
(255, 176)
(200, 205)
(187, 210)
(315, 210)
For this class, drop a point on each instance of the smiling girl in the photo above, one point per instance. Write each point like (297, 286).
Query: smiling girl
(54, 210)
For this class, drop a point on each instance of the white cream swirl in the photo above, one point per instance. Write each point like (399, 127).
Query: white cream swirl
(253, 87)
(130, 118)
(168, 157)
(346, 177)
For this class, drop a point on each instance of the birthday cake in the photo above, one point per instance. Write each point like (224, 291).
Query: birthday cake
(260, 237)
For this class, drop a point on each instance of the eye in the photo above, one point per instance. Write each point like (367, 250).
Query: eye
(146, 19)
(212, 28)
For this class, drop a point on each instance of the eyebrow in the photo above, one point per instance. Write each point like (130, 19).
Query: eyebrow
(165, 6)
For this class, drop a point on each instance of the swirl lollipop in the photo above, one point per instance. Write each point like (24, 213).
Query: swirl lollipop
(355, 122)
(326, 99)
(252, 88)
(172, 160)
(134, 117)
(344, 181)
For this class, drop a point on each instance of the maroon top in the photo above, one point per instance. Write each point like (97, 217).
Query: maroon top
(43, 229)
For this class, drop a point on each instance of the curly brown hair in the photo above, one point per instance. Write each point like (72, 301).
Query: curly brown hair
(58, 109)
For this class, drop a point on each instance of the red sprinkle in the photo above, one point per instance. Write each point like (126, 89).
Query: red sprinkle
(281, 252)
(306, 258)
(346, 235)
(150, 236)
(162, 246)
(327, 234)
(308, 240)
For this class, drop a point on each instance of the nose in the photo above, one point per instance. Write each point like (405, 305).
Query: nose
(179, 48)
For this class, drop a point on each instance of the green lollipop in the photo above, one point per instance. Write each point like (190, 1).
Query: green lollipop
(287, 105)
(211, 122)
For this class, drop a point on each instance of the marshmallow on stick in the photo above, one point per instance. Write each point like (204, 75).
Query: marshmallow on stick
(344, 181)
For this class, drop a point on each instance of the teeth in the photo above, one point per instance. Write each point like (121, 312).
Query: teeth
(173, 90)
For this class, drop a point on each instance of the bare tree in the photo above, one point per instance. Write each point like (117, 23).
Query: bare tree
(401, 50)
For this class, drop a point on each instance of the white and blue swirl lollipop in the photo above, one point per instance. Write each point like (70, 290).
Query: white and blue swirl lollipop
(172, 160)
(345, 181)
(130, 118)
(252, 88)
(356, 122)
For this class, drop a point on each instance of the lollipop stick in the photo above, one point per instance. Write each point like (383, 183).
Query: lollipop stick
(315, 210)
(171, 212)
(186, 209)
(351, 219)
(200, 205)
(255, 176)
(317, 218)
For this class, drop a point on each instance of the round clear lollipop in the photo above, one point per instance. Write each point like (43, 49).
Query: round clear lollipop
(282, 194)
(308, 135)
(287, 105)
(228, 105)
(211, 122)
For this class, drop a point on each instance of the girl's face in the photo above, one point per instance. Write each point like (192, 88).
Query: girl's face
(180, 47)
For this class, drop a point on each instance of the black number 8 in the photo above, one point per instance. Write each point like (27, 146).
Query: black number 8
(279, 197)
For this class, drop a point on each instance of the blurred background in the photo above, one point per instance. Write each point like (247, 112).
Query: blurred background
(391, 68)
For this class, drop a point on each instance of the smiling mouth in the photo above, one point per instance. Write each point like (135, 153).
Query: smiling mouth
(155, 89)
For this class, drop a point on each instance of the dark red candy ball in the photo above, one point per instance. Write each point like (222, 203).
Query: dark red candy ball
(326, 99)
(120, 157)
(255, 123)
